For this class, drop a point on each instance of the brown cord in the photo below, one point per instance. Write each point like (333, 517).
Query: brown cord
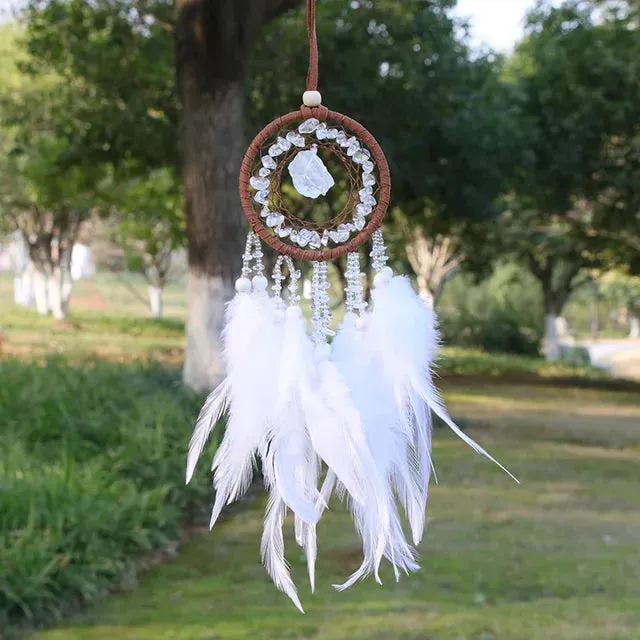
(253, 154)
(253, 157)
(312, 75)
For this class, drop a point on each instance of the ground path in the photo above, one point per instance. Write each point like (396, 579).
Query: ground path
(621, 357)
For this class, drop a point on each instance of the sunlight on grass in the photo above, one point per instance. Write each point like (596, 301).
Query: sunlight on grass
(553, 558)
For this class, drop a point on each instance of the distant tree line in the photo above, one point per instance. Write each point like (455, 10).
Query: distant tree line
(141, 111)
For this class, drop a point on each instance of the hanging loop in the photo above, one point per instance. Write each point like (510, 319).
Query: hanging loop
(312, 75)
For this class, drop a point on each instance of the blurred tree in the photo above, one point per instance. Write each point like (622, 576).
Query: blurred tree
(623, 292)
(150, 228)
(213, 41)
(556, 249)
(116, 106)
(575, 81)
(40, 197)
(403, 70)
(433, 260)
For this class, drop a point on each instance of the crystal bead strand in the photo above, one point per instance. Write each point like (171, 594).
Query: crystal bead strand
(247, 256)
(278, 279)
(258, 266)
(378, 254)
(294, 279)
(320, 295)
(354, 290)
(259, 282)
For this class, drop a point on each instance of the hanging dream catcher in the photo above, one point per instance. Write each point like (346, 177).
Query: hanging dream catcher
(351, 415)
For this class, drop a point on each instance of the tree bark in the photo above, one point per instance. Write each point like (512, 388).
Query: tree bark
(552, 345)
(155, 301)
(213, 38)
(23, 287)
(41, 290)
(59, 290)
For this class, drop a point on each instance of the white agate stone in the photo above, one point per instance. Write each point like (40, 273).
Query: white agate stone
(310, 176)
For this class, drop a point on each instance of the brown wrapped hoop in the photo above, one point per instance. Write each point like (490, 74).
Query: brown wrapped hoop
(383, 195)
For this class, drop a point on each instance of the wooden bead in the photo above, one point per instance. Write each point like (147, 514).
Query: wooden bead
(311, 98)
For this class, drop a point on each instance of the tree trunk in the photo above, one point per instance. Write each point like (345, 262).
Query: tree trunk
(554, 302)
(634, 327)
(60, 286)
(213, 38)
(552, 345)
(41, 290)
(23, 288)
(425, 292)
(595, 312)
(213, 141)
(18, 290)
(215, 226)
(155, 301)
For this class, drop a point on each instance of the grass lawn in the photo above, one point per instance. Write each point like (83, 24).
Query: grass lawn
(554, 558)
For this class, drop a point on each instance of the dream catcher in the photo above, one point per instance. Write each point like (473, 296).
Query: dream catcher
(346, 412)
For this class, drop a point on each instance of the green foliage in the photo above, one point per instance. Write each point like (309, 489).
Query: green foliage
(575, 93)
(502, 313)
(402, 69)
(150, 222)
(92, 470)
(116, 64)
(457, 361)
(577, 77)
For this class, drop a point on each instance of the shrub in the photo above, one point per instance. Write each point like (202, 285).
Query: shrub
(501, 314)
(92, 477)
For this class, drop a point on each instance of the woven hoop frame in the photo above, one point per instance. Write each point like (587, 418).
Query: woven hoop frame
(384, 178)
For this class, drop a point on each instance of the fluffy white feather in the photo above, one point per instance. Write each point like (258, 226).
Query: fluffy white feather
(252, 339)
(272, 548)
(378, 523)
(287, 452)
(404, 332)
(211, 412)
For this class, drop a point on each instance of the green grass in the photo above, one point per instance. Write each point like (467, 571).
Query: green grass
(92, 475)
(475, 362)
(106, 320)
(92, 448)
(554, 558)
(122, 332)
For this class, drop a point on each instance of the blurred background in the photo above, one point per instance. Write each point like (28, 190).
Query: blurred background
(513, 133)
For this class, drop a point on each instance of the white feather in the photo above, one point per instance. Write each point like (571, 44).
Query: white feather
(212, 411)
(287, 450)
(404, 332)
(378, 522)
(272, 548)
(252, 339)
